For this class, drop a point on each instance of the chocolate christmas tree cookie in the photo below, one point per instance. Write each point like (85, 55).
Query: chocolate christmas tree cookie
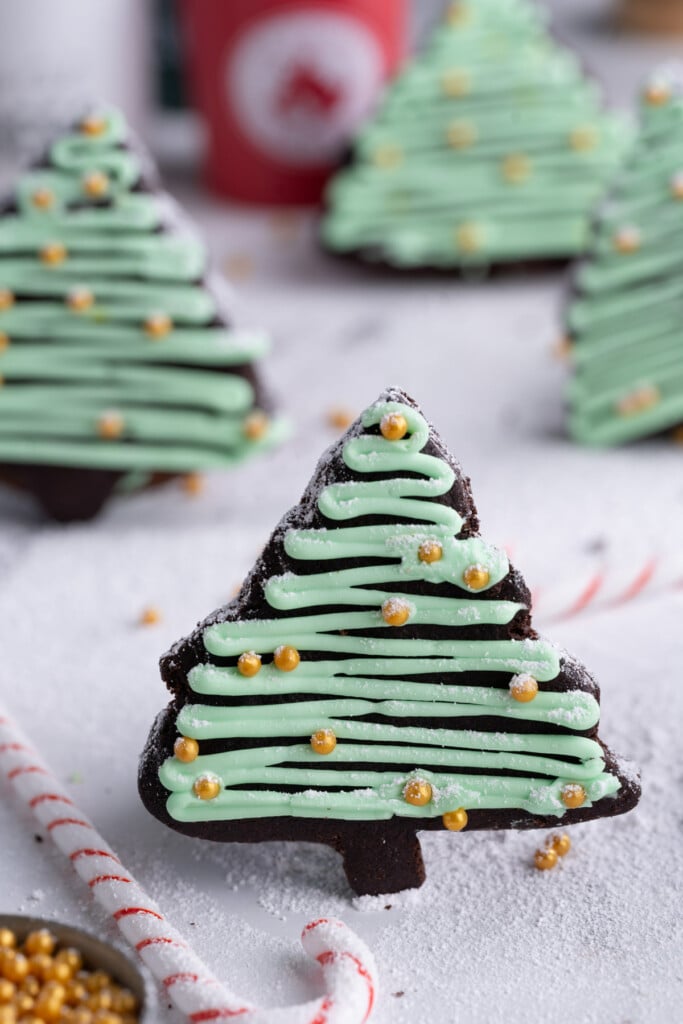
(625, 321)
(117, 358)
(491, 148)
(378, 674)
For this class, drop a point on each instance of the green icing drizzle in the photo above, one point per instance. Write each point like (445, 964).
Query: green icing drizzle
(63, 369)
(375, 671)
(490, 147)
(625, 322)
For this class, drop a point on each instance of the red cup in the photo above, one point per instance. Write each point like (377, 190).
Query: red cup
(283, 85)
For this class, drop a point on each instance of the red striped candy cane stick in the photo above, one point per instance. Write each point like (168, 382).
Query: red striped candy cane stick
(606, 585)
(348, 967)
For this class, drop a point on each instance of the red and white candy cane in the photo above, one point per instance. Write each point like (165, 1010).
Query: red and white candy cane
(606, 585)
(348, 967)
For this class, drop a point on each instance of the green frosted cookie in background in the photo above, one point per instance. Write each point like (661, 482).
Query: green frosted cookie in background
(625, 322)
(117, 358)
(491, 147)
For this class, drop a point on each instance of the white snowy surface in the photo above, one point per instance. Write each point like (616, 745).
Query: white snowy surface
(488, 938)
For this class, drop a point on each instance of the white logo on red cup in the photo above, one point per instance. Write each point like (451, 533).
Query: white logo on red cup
(300, 83)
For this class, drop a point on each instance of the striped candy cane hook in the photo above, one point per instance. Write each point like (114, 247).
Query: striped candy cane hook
(348, 967)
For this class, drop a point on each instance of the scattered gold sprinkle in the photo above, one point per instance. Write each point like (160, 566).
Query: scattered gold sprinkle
(545, 859)
(387, 155)
(286, 658)
(560, 843)
(523, 688)
(339, 418)
(323, 741)
(417, 792)
(193, 484)
(255, 425)
(573, 795)
(186, 749)
(43, 198)
(516, 168)
(158, 325)
(584, 138)
(461, 134)
(53, 253)
(476, 577)
(430, 551)
(455, 821)
(396, 611)
(6, 299)
(110, 426)
(455, 83)
(627, 240)
(92, 125)
(638, 401)
(393, 426)
(96, 184)
(469, 237)
(657, 94)
(150, 616)
(4, 341)
(80, 299)
(206, 787)
(249, 664)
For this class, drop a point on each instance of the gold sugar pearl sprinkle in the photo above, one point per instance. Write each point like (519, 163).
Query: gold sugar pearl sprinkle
(638, 401)
(583, 138)
(323, 741)
(430, 551)
(627, 240)
(80, 299)
(573, 795)
(53, 253)
(41, 941)
(417, 792)
(339, 418)
(468, 237)
(96, 184)
(523, 688)
(110, 426)
(393, 426)
(461, 134)
(458, 14)
(455, 83)
(255, 426)
(387, 156)
(249, 663)
(186, 749)
(396, 611)
(476, 577)
(43, 198)
(54, 986)
(563, 348)
(193, 484)
(657, 94)
(93, 125)
(286, 658)
(206, 787)
(150, 616)
(516, 168)
(6, 299)
(4, 341)
(455, 821)
(545, 859)
(560, 843)
(158, 325)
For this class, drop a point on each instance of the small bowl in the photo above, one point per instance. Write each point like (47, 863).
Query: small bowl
(97, 955)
